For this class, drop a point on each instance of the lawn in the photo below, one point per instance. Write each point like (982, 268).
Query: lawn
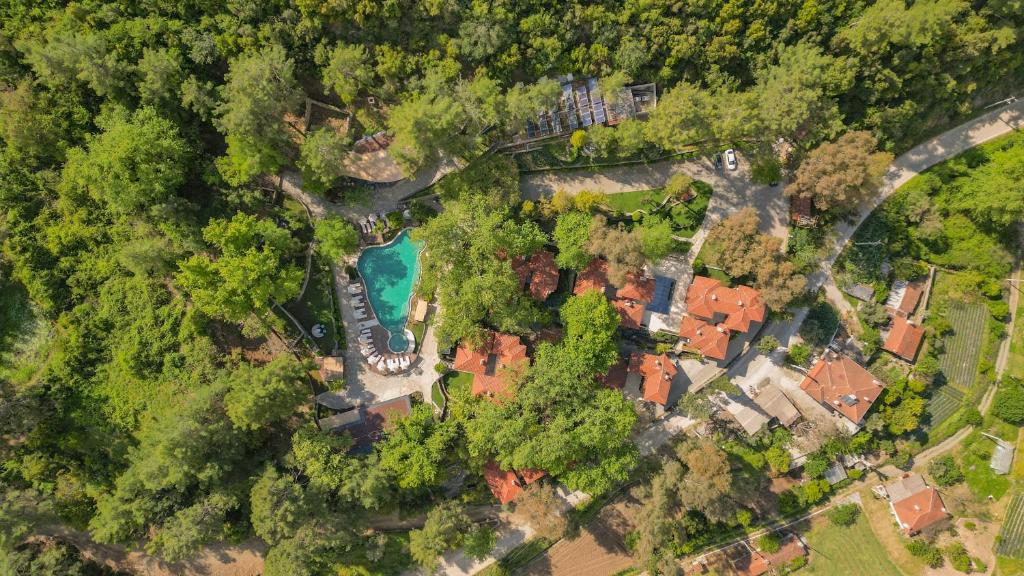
(851, 551)
(436, 396)
(959, 362)
(418, 329)
(454, 381)
(982, 481)
(318, 306)
(686, 217)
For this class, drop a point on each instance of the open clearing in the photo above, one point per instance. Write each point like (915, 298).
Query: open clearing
(963, 346)
(852, 551)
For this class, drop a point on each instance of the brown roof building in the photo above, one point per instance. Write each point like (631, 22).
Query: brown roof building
(656, 374)
(630, 300)
(761, 563)
(904, 304)
(507, 484)
(538, 274)
(904, 339)
(915, 505)
(487, 363)
(367, 424)
(714, 311)
(843, 385)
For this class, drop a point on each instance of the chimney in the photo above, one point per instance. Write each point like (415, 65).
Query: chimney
(876, 382)
(864, 398)
(720, 329)
(836, 402)
(714, 296)
(740, 302)
(917, 508)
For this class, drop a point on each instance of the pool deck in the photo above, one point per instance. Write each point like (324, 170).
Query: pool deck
(364, 385)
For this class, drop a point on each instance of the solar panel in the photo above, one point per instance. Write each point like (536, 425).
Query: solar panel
(556, 123)
(545, 128)
(570, 106)
(661, 302)
(584, 104)
(531, 129)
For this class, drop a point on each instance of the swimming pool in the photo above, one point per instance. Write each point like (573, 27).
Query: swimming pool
(389, 272)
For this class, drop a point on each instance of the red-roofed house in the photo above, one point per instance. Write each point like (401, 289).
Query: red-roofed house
(714, 311)
(507, 484)
(915, 505)
(843, 385)
(904, 339)
(630, 300)
(487, 363)
(904, 298)
(538, 274)
(655, 374)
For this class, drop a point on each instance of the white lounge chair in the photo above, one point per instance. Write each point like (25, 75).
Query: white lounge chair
(382, 366)
(367, 324)
(360, 314)
(366, 351)
(373, 359)
(354, 289)
(404, 362)
(366, 339)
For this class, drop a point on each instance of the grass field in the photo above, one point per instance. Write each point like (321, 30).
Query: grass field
(686, 217)
(851, 551)
(944, 403)
(975, 456)
(963, 346)
(317, 306)
(1011, 535)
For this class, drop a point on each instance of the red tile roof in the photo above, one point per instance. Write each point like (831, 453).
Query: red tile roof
(506, 484)
(616, 376)
(711, 341)
(911, 296)
(657, 373)
(630, 312)
(920, 510)
(843, 385)
(904, 338)
(595, 277)
(486, 363)
(737, 308)
(538, 274)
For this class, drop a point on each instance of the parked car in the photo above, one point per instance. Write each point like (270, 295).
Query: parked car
(718, 161)
(730, 159)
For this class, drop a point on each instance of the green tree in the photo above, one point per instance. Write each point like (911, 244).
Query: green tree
(265, 395)
(279, 506)
(347, 71)
(162, 76)
(259, 90)
(571, 235)
(248, 273)
(336, 237)
(655, 236)
(945, 471)
(322, 159)
(480, 541)
(844, 514)
(323, 459)
(778, 458)
(183, 534)
(137, 162)
(795, 97)
(444, 529)
(1009, 401)
(679, 186)
(590, 323)
(769, 543)
(417, 449)
(768, 344)
(427, 126)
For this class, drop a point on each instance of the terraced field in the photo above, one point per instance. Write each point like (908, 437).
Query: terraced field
(1011, 535)
(943, 404)
(963, 347)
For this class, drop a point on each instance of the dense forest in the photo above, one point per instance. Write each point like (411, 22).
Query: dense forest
(139, 249)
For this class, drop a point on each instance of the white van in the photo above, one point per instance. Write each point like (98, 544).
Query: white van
(730, 159)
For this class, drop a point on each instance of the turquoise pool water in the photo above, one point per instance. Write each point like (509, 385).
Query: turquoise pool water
(389, 272)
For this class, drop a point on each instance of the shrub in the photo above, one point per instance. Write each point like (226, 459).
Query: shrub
(844, 515)
(815, 466)
(1008, 404)
(799, 354)
(768, 344)
(958, 557)
(744, 517)
(480, 541)
(778, 458)
(770, 543)
(855, 474)
(945, 471)
(930, 554)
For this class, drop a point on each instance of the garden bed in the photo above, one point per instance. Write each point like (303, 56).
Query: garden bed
(319, 306)
(686, 217)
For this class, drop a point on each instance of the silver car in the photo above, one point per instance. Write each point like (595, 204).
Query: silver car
(730, 159)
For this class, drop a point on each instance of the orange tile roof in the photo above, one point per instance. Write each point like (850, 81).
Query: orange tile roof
(538, 274)
(904, 338)
(486, 363)
(737, 308)
(711, 341)
(631, 313)
(911, 296)
(503, 483)
(657, 373)
(595, 277)
(843, 385)
(507, 484)
(920, 510)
